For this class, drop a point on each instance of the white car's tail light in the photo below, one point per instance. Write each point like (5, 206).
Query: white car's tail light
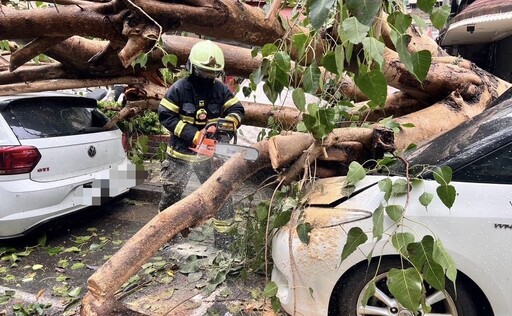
(18, 159)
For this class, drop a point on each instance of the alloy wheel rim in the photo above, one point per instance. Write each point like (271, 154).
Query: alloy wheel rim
(383, 303)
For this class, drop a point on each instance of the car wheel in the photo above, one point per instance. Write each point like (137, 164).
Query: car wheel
(352, 288)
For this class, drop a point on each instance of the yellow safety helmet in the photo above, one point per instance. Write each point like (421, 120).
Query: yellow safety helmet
(207, 56)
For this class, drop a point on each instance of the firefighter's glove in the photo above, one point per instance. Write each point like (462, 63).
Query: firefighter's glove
(211, 130)
(199, 137)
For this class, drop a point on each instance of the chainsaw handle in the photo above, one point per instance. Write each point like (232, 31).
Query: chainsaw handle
(222, 125)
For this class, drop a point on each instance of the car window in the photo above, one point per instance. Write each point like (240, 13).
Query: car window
(53, 116)
(495, 167)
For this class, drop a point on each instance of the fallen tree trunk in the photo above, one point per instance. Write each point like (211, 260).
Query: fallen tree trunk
(363, 143)
(439, 118)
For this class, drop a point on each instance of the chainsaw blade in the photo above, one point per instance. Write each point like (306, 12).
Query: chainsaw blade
(228, 150)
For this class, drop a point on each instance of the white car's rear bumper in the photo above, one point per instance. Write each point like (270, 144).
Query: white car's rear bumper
(26, 203)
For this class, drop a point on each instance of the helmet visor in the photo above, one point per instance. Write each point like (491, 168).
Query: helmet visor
(206, 74)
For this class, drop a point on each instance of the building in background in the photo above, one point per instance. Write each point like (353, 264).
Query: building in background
(481, 31)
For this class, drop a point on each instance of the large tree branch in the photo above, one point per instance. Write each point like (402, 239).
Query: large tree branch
(32, 49)
(65, 84)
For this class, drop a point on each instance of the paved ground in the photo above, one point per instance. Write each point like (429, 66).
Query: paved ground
(51, 273)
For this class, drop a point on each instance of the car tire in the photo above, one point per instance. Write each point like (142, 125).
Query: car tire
(351, 288)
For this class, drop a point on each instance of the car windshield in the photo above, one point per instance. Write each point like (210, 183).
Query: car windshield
(479, 150)
(53, 116)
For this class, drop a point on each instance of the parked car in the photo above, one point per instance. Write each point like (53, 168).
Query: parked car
(56, 158)
(476, 231)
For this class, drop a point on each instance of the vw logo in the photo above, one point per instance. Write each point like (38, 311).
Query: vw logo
(91, 151)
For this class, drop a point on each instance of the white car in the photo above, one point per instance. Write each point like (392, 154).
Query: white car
(476, 231)
(56, 158)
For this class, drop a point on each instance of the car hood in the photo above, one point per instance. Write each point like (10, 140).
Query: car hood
(322, 202)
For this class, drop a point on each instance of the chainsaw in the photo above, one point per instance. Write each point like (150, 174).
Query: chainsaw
(217, 143)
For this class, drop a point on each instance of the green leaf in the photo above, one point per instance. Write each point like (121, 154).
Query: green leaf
(194, 276)
(280, 79)
(421, 256)
(318, 11)
(77, 266)
(386, 186)
(375, 50)
(365, 11)
(275, 303)
(339, 52)
(400, 186)
(299, 42)
(447, 194)
(142, 60)
(270, 289)
(4, 299)
(329, 62)
(400, 21)
(255, 51)
(270, 93)
(95, 247)
(426, 5)
(190, 265)
(433, 273)
(170, 59)
(370, 291)
(72, 249)
(303, 231)
(269, 49)
(378, 222)
(281, 219)
(443, 258)
(426, 198)
(421, 24)
(355, 173)
(81, 239)
(405, 285)
(417, 63)
(75, 292)
(401, 240)
(419, 252)
(41, 241)
(61, 278)
(312, 78)
(395, 212)
(63, 263)
(421, 62)
(37, 267)
(443, 175)
(355, 237)
(289, 203)
(262, 212)
(282, 60)
(374, 85)
(299, 99)
(403, 53)
(257, 75)
(439, 16)
(354, 30)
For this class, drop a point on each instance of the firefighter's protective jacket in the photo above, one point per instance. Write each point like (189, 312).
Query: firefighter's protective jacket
(189, 105)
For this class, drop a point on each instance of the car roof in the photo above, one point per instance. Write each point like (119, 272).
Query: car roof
(478, 136)
(7, 98)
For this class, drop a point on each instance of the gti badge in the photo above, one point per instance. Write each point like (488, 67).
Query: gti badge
(91, 151)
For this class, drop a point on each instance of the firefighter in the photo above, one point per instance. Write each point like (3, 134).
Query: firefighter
(190, 104)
